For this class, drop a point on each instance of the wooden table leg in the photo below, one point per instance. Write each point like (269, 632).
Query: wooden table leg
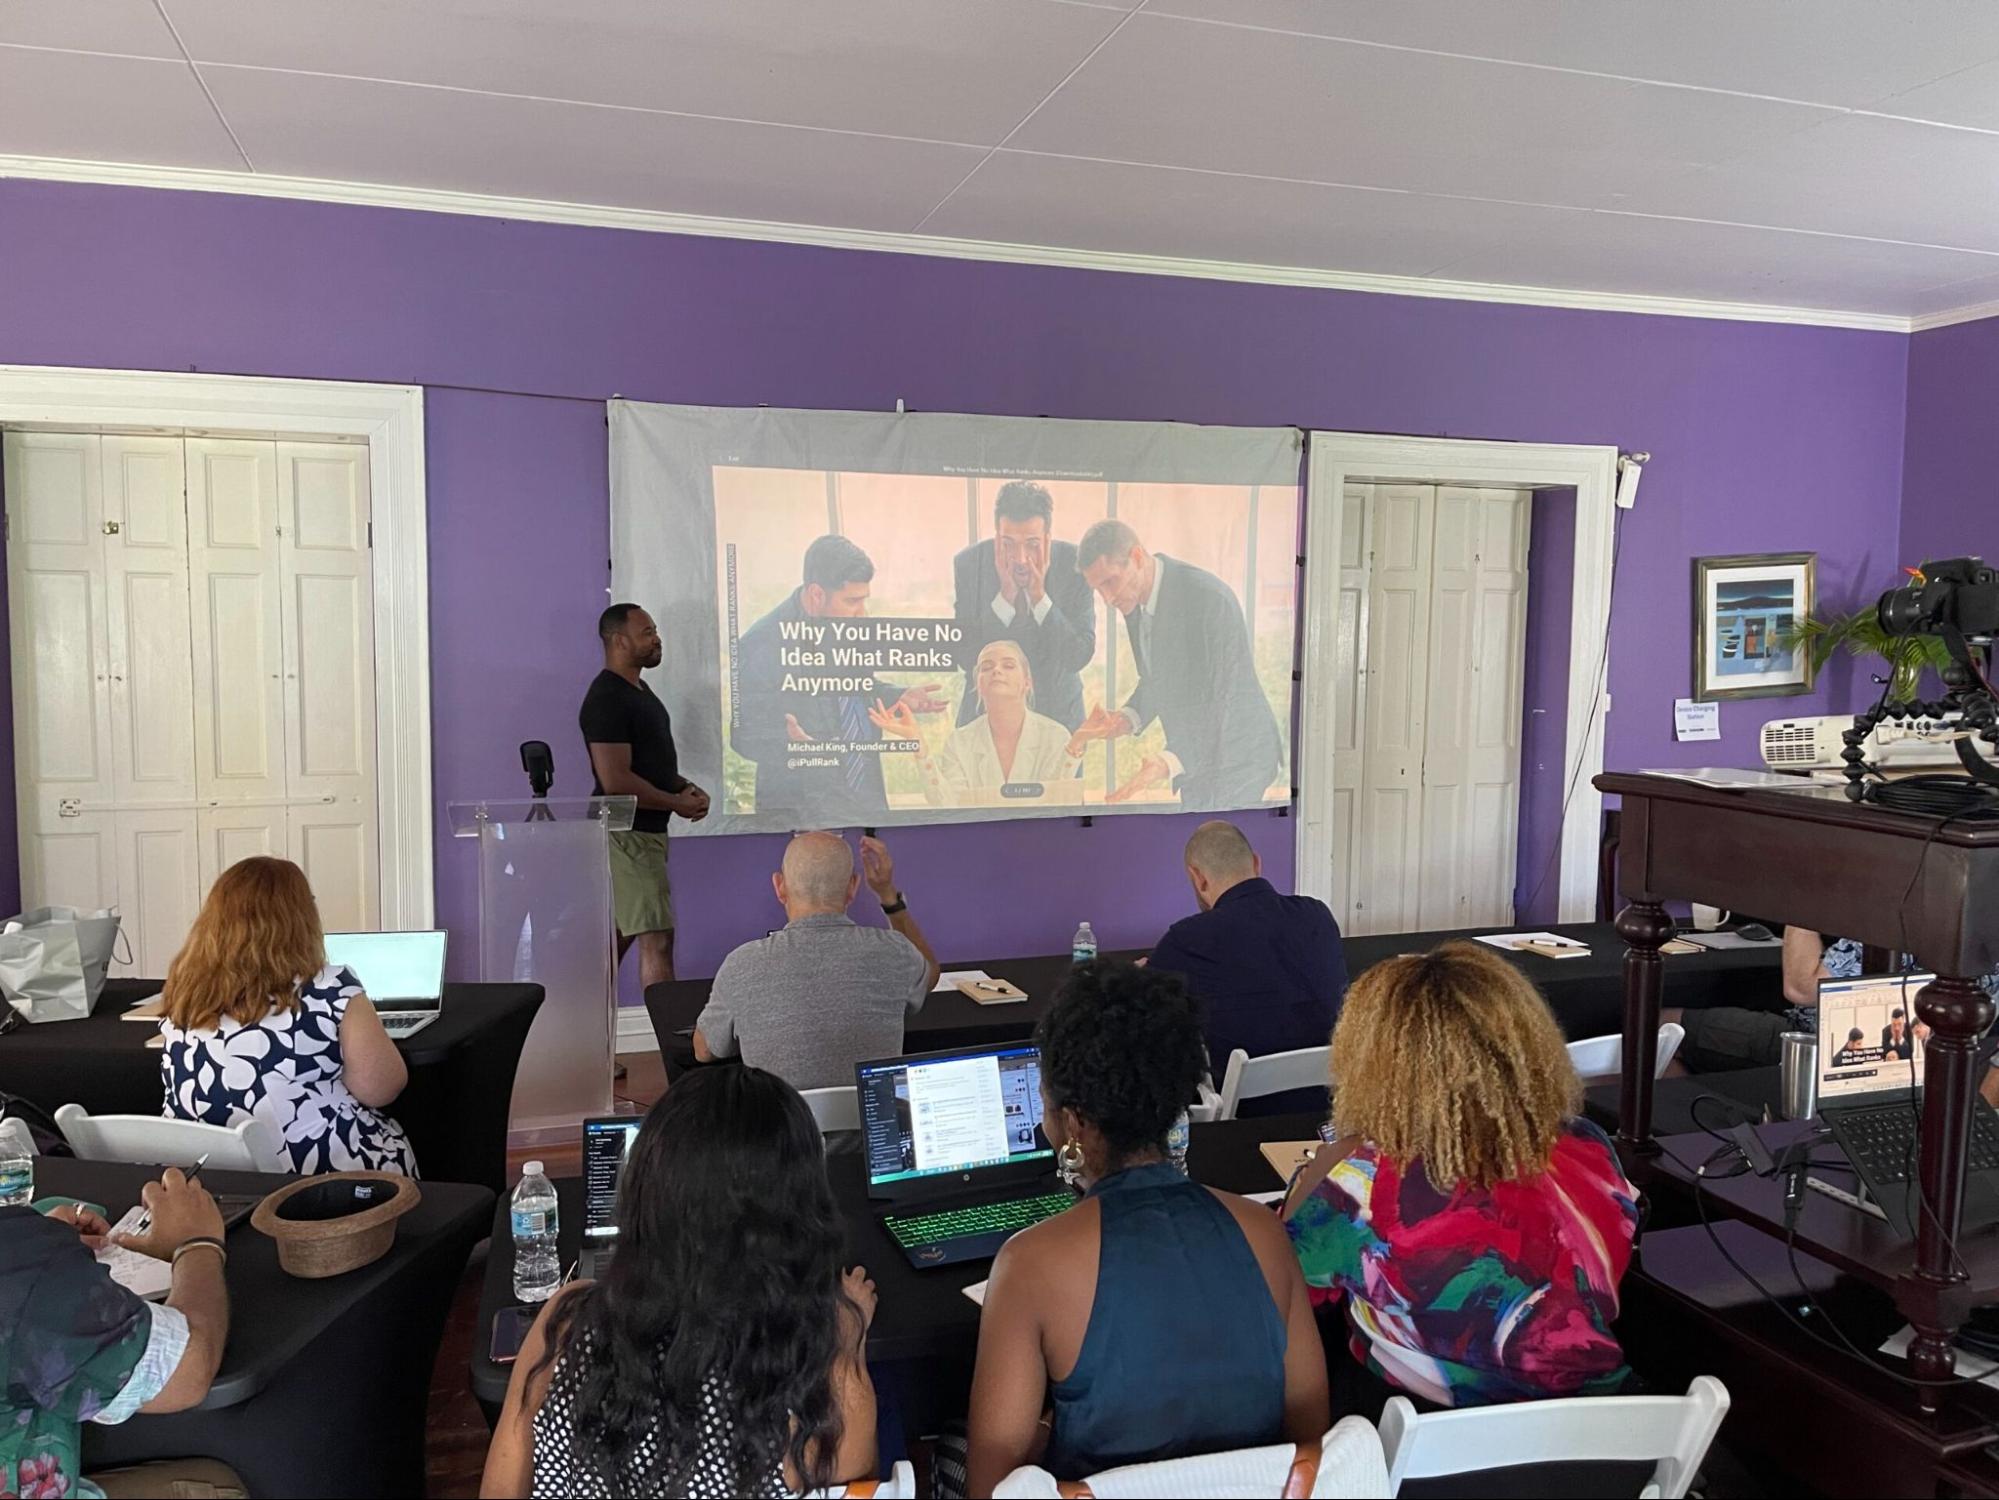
(1958, 1013)
(1644, 925)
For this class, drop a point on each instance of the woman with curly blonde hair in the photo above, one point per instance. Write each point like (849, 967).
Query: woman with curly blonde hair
(1477, 1224)
(259, 1026)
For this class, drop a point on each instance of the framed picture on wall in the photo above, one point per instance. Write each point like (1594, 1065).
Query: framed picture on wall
(1745, 609)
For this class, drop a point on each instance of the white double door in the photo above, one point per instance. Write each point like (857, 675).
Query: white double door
(1431, 630)
(193, 668)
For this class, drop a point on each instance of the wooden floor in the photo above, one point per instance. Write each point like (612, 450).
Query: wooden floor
(455, 1451)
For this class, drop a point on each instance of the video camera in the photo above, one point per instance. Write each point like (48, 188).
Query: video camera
(1961, 594)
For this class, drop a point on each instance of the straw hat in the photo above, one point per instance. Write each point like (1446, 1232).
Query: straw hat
(336, 1222)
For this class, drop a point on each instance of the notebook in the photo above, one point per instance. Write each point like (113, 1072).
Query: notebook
(141, 1275)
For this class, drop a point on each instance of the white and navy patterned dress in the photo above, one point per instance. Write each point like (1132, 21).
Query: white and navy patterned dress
(556, 1472)
(285, 1070)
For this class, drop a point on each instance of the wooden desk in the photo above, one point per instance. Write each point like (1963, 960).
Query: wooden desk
(1813, 859)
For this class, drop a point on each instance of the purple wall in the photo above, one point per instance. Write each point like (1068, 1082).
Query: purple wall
(1764, 438)
(1950, 474)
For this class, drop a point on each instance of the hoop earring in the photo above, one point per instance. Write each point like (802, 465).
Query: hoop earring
(1069, 1163)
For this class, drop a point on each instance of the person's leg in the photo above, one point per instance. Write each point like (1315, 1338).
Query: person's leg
(655, 958)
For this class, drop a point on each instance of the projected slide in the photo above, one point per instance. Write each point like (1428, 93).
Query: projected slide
(878, 619)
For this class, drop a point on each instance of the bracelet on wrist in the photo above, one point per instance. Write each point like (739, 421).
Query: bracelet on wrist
(201, 1242)
(897, 906)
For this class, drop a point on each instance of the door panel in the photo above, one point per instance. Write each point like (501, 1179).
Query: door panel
(152, 652)
(232, 514)
(63, 761)
(1389, 855)
(335, 845)
(159, 882)
(234, 833)
(1349, 695)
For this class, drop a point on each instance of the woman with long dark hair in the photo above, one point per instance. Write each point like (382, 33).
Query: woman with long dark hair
(724, 1352)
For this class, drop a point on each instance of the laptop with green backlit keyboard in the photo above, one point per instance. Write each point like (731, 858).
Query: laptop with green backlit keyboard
(954, 1139)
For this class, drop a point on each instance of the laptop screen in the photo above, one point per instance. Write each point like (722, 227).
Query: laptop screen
(606, 1141)
(391, 965)
(1867, 1035)
(951, 1112)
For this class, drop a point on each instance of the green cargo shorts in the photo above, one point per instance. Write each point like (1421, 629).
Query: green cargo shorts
(641, 900)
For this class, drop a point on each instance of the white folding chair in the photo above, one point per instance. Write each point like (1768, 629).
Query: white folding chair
(252, 1146)
(1671, 1431)
(1254, 1077)
(836, 1108)
(1348, 1462)
(1603, 1056)
(900, 1484)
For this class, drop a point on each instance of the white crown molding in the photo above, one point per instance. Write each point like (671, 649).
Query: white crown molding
(654, 221)
(1977, 312)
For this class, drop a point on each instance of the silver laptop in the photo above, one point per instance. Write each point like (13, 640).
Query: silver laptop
(403, 973)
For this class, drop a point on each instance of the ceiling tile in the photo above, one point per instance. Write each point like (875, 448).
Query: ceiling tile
(1979, 291)
(1859, 175)
(1180, 93)
(83, 107)
(1846, 52)
(359, 131)
(130, 27)
(1970, 97)
(1725, 262)
(949, 70)
(1045, 200)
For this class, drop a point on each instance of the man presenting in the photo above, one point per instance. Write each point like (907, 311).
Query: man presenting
(1196, 674)
(1023, 586)
(1267, 968)
(823, 992)
(775, 725)
(630, 739)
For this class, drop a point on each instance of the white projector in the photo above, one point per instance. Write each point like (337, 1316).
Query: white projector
(1815, 744)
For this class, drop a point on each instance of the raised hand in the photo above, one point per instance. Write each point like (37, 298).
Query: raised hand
(860, 1290)
(924, 699)
(794, 730)
(878, 868)
(1101, 724)
(1151, 771)
(897, 723)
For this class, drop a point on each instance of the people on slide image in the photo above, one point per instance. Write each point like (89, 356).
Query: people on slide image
(1196, 674)
(1022, 586)
(849, 790)
(1009, 743)
(1855, 1050)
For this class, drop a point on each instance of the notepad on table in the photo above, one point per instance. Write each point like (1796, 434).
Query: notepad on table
(977, 1292)
(141, 1275)
(1544, 944)
(148, 1009)
(950, 979)
(1286, 1157)
(991, 991)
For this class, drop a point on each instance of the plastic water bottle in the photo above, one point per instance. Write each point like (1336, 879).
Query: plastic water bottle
(537, 1265)
(1176, 1143)
(1083, 947)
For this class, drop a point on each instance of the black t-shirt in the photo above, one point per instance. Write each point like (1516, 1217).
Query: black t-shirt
(617, 713)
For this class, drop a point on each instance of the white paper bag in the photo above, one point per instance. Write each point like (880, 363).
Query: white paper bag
(53, 961)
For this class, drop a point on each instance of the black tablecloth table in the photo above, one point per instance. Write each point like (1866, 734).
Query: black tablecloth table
(1586, 993)
(324, 1386)
(922, 1315)
(454, 1106)
(1737, 1096)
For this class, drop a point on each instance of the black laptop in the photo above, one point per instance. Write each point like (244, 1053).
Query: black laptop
(1870, 1064)
(954, 1140)
(607, 1140)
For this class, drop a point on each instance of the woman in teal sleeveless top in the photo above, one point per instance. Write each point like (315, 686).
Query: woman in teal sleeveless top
(1157, 1318)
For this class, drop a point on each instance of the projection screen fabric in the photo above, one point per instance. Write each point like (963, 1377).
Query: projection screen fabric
(882, 619)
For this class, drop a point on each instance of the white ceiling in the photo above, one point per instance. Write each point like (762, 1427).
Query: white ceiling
(1841, 155)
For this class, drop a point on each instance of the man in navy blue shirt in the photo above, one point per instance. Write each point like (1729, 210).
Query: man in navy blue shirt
(1267, 968)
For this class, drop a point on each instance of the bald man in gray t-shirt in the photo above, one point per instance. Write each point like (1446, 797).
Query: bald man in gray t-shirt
(823, 993)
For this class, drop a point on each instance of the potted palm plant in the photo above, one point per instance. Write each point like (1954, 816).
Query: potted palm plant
(1860, 634)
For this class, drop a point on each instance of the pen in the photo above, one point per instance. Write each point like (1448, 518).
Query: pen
(146, 1218)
